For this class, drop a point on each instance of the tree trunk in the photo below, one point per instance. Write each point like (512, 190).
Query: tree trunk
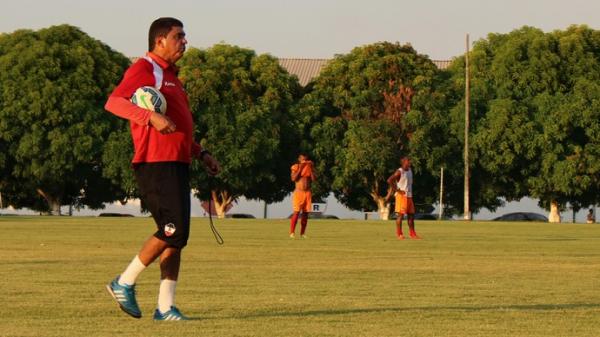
(383, 206)
(221, 199)
(53, 202)
(554, 213)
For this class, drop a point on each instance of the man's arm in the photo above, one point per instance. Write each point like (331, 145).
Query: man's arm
(394, 178)
(392, 184)
(119, 103)
(296, 173)
(212, 165)
(122, 107)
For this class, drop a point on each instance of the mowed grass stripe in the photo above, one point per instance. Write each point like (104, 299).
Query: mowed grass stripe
(350, 278)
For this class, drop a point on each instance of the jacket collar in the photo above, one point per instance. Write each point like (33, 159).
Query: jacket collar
(161, 62)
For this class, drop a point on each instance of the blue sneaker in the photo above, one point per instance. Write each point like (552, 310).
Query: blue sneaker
(125, 297)
(172, 314)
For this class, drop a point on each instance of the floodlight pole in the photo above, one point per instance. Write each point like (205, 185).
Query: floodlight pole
(467, 210)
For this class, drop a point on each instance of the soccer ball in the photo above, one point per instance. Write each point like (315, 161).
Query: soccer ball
(150, 98)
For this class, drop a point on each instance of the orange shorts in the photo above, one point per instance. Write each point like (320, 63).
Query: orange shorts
(404, 204)
(302, 201)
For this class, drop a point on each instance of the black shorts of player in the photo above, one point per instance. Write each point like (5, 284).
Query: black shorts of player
(165, 191)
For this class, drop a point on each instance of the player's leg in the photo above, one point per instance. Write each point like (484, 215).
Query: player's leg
(306, 208)
(411, 219)
(296, 206)
(399, 215)
(399, 233)
(152, 248)
(176, 212)
(303, 224)
(122, 288)
(170, 260)
(293, 222)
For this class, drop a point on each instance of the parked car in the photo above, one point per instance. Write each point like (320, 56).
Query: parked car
(240, 216)
(115, 214)
(521, 216)
(418, 216)
(316, 215)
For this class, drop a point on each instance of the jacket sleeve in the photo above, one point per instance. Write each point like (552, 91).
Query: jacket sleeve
(119, 103)
(123, 108)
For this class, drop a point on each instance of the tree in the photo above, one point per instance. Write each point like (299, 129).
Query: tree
(356, 114)
(53, 84)
(241, 103)
(537, 119)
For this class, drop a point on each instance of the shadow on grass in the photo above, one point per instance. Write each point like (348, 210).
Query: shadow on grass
(467, 308)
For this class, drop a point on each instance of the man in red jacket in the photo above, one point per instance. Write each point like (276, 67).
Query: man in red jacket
(163, 150)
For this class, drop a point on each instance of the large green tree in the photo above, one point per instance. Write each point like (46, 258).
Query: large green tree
(356, 117)
(537, 128)
(53, 85)
(241, 103)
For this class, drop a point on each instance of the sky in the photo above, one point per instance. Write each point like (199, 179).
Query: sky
(306, 29)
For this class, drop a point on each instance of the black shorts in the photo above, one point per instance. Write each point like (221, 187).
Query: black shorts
(165, 191)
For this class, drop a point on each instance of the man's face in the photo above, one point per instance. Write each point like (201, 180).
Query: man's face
(405, 163)
(173, 45)
(302, 158)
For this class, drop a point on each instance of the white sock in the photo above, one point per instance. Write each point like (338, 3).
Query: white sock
(132, 271)
(166, 295)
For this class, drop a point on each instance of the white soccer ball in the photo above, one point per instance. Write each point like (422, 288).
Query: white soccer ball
(150, 98)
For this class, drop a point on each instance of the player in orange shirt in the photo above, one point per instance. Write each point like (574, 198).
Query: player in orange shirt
(303, 174)
(401, 182)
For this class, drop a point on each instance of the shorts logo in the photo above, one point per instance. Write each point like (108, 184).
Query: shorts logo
(170, 229)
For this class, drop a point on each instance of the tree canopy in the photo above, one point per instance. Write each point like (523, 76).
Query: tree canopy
(535, 101)
(241, 103)
(356, 114)
(53, 83)
(535, 116)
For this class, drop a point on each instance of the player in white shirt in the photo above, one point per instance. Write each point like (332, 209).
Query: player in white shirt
(401, 183)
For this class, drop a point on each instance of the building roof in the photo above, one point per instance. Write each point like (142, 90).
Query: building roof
(442, 64)
(307, 69)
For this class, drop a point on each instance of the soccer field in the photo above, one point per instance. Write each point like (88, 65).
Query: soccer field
(350, 278)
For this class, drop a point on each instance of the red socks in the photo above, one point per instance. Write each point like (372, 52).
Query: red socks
(303, 223)
(411, 226)
(293, 222)
(399, 230)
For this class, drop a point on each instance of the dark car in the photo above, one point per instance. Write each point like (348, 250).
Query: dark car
(521, 216)
(240, 216)
(316, 215)
(418, 216)
(115, 215)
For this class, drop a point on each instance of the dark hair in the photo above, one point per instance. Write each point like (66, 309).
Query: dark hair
(304, 154)
(161, 28)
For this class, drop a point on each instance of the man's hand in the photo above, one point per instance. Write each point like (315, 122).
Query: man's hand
(162, 123)
(212, 165)
(305, 163)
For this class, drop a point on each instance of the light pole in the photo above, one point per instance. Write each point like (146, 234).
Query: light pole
(467, 210)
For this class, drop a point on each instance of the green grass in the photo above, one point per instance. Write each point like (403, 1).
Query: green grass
(351, 278)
